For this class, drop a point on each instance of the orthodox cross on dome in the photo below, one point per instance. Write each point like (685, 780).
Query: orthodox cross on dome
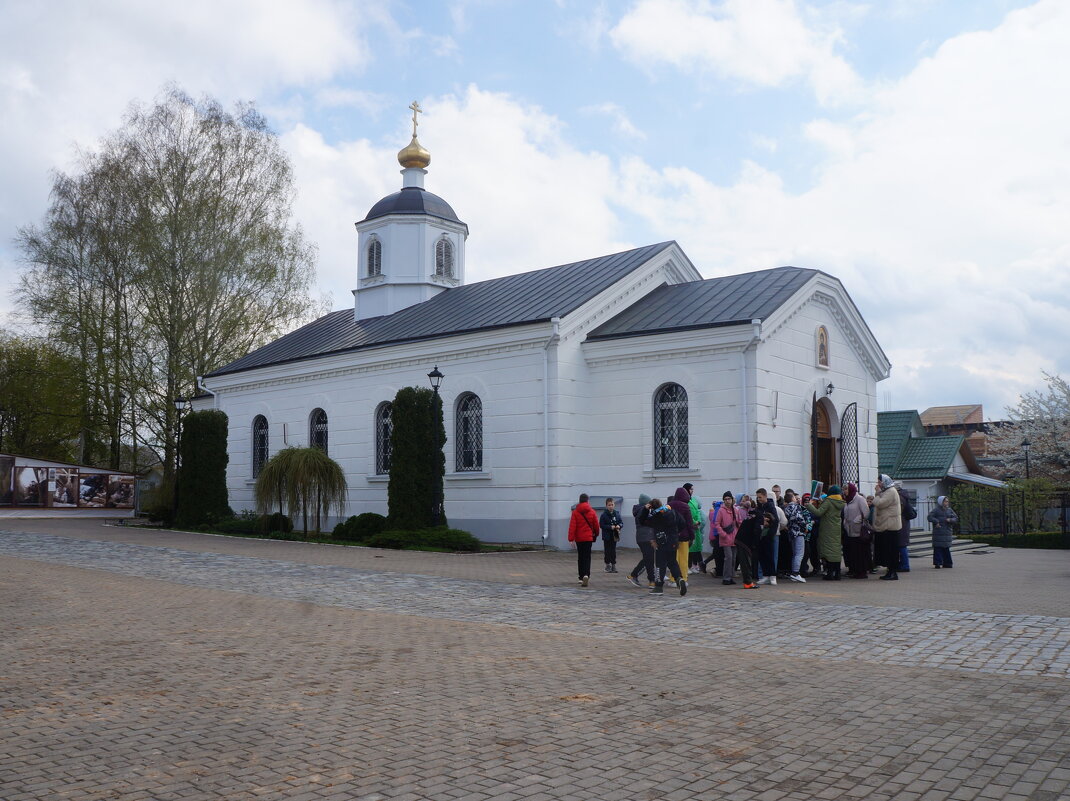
(415, 110)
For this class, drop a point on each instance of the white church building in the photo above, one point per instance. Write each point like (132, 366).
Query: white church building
(618, 375)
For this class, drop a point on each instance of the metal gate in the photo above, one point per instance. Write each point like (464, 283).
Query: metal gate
(813, 439)
(849, 445)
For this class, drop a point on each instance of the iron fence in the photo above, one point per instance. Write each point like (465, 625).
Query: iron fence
(1006, 512)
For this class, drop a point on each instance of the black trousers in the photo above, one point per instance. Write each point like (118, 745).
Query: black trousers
(609, 554)
(718, 561)
(646, 561)
(765, 554)
(745, 560)
(666, 557)
(583, 556)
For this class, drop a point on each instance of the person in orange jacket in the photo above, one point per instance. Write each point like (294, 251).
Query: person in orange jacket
(583, 531)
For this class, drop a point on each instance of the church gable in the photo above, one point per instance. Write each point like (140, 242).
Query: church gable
(823, 328)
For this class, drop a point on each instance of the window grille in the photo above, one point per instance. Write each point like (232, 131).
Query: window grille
(375, 258)
(317, 430)
(469, 433)
(444, 258)
(260, 444)
(384, 431)
(670, 427)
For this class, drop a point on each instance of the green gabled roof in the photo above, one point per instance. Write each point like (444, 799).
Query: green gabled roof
(927, 457)
(893, 434)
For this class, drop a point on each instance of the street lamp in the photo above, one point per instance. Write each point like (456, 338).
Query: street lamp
(435, 377)
(1025, 447)
(182, 405)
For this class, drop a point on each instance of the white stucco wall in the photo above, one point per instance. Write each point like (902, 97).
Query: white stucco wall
(600, 421)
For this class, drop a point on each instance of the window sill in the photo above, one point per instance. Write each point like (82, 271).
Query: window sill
(377, 479)
(673, 472)
(469, 475)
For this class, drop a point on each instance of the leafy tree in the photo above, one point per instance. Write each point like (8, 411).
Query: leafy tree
(416, 465)
(1043, 418)
(202, 476)
(170, 251)
(39, 399)
(302, 479)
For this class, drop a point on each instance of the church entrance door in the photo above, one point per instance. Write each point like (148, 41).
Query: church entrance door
(823, 458)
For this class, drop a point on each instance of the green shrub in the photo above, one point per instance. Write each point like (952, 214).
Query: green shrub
(202, 476)
(360, 528)
(416, 465)
(447, 539)
(1046, 539)
(276, 521)
(453, 539)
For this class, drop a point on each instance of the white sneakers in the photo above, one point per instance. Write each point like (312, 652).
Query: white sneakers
(768, 580)
(797, 578)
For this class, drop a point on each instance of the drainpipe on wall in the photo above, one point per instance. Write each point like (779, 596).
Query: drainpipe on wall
(756, 334)
(554, 337)
(201, 387)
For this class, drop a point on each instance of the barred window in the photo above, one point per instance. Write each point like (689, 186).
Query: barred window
(260, 444)
(317, 429)
(670, 427)
(469, 433)
(444, 258)
(375, 258)
(384, 430)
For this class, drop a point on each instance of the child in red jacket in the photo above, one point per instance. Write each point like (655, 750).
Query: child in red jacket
(583, 531)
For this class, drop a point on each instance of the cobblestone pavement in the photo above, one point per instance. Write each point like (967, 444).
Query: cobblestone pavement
(1003, 581)
(1026, 645)
(166, 674)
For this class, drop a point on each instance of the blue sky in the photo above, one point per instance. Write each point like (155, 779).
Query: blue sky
(916, 149)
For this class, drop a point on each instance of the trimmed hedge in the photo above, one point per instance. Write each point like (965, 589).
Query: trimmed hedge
(202, 476)
(1045, 539)
(360, 528)
(276, 521)
(253, 524)
(442, 538)
(416, 464)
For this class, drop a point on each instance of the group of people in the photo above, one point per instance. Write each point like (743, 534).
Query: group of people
(790, 535)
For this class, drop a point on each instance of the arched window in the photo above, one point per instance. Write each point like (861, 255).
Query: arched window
(670, 426)
(444, 258)
(375, 258)
(469, 433)
(317, 429)
(260, 444)
(384, 430)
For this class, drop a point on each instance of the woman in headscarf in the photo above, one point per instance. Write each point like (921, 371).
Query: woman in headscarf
(943, 518)
(830, 524)
(855, 512)
(887, 520)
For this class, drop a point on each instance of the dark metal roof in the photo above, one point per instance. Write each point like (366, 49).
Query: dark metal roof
(513, 300)
(730, 300)
(413, 200)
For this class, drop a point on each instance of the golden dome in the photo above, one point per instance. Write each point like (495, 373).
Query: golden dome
(414, 155)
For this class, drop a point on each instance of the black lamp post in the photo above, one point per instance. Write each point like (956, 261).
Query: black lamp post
(435, 377)
(182, 405)
(1025, 447)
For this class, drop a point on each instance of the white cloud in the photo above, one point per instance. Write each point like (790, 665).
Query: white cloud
(620, 122)
(944, 208)
(69, 69)
(760, 42)
(530, 198)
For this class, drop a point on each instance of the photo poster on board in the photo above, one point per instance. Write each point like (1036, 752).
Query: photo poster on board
(7, 477)
(31, 486)
(93, 490)
(120, 492)
(63, 483)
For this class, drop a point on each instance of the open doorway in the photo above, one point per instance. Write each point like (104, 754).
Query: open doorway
(823, 445)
